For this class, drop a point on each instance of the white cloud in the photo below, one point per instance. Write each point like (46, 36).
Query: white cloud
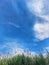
(35, 6)
(41, 9)
(41, 30)
(38, 7)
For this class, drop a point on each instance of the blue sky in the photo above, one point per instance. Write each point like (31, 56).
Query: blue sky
(24, 25)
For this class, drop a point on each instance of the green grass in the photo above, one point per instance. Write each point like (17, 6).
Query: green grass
(25, 60)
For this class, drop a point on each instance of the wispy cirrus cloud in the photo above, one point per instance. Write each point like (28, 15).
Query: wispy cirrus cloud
(47, 48)
(11, 46)
(13, 24)
(15, 48)
(2, 47)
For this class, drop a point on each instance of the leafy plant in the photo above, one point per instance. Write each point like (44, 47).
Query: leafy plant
(26, 60)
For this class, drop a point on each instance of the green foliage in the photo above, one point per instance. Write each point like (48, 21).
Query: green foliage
(25, 60)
